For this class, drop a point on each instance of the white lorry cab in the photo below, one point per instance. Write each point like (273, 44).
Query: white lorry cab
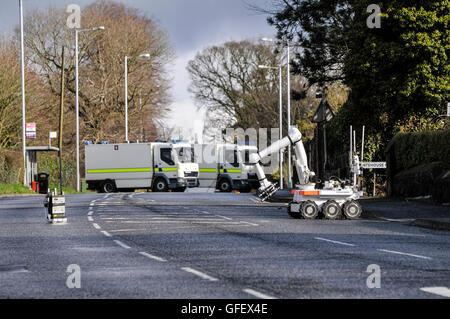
(226, 167)
(126, 167)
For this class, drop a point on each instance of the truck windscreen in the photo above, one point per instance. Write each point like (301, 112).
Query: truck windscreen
(185, 154)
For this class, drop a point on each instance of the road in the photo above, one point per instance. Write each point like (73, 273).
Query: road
(211, 245)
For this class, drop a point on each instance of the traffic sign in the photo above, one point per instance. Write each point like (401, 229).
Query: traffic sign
(374, 165)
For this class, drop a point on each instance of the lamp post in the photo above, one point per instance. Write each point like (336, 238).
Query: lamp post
(280, 90)
(288, 58)
(22, 67)
(146, 56)
(77, 119)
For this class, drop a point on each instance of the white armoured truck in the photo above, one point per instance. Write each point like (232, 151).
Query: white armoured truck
(331, 198)
(156, 166)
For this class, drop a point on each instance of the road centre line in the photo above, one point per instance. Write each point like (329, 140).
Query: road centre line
(406, 254)
(257, 294)
(96, 226)
(334, 241)
(441, 291)
(106, 233)
(90, 219)
(199, 274)
(152, 256)
(90, 213)
(125, 230)
(118, 242)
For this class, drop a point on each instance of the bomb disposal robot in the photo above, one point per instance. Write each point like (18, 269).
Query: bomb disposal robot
(331, 198)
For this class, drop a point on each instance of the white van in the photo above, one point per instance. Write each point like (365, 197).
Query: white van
(157, 166)
(226, 167)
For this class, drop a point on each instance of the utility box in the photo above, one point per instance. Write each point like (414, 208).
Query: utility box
(42, 179)
(55, 208)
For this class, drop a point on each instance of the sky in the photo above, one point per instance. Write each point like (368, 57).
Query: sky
(192, 26)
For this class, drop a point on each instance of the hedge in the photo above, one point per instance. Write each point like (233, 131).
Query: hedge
(408, 150)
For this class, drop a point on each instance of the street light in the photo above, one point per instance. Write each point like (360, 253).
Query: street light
(77, 120)
(22, 67)
(143, 56)
(288, 72)
(280, 90)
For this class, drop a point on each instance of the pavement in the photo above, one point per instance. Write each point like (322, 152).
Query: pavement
(212, 245)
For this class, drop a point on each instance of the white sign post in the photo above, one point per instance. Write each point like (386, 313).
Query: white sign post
(448, 109)
(373, 165)
(52, 135)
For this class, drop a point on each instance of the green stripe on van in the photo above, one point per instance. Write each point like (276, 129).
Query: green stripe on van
(169, 169)
(207, 170)
(119, 170)
(231, 170)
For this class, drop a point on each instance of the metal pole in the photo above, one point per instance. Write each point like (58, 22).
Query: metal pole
(362, 144)
(281, 124)
(126, 99)
(61, 120)
(289, 111)
(22, 66)
(77, 112)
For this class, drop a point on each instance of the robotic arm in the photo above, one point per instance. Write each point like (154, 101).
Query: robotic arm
(293, 138)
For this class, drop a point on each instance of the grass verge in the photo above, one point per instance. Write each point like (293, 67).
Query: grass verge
(14, 189)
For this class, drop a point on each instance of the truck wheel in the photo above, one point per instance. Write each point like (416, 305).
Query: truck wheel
(160, 185)
(331, 210)
(225, 186)
(352, 209)
(309, 210)
(108, 187)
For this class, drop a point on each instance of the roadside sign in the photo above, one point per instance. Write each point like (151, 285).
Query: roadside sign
(31, 127)
(53, 135)
(374, 165)
(30, 130)
(448, 109)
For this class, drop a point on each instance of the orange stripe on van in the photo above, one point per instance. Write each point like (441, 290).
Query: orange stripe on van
(309, 193)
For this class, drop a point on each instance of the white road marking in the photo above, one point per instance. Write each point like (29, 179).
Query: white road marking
(90, 219)
(334, 241)
(124, 230)
(96, 226)
(199, 273)
(441, 291)
(227, 218)
(400, 253)
(250, 224)
(118, 242)
(90, 213)
(91, 204)
(106, 233)
(152, 256)
(258, 294)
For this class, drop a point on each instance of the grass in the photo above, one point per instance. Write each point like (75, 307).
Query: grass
(14, 189)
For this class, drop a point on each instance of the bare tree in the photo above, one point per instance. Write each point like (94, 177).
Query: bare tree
(227, 81)
(101, 85)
